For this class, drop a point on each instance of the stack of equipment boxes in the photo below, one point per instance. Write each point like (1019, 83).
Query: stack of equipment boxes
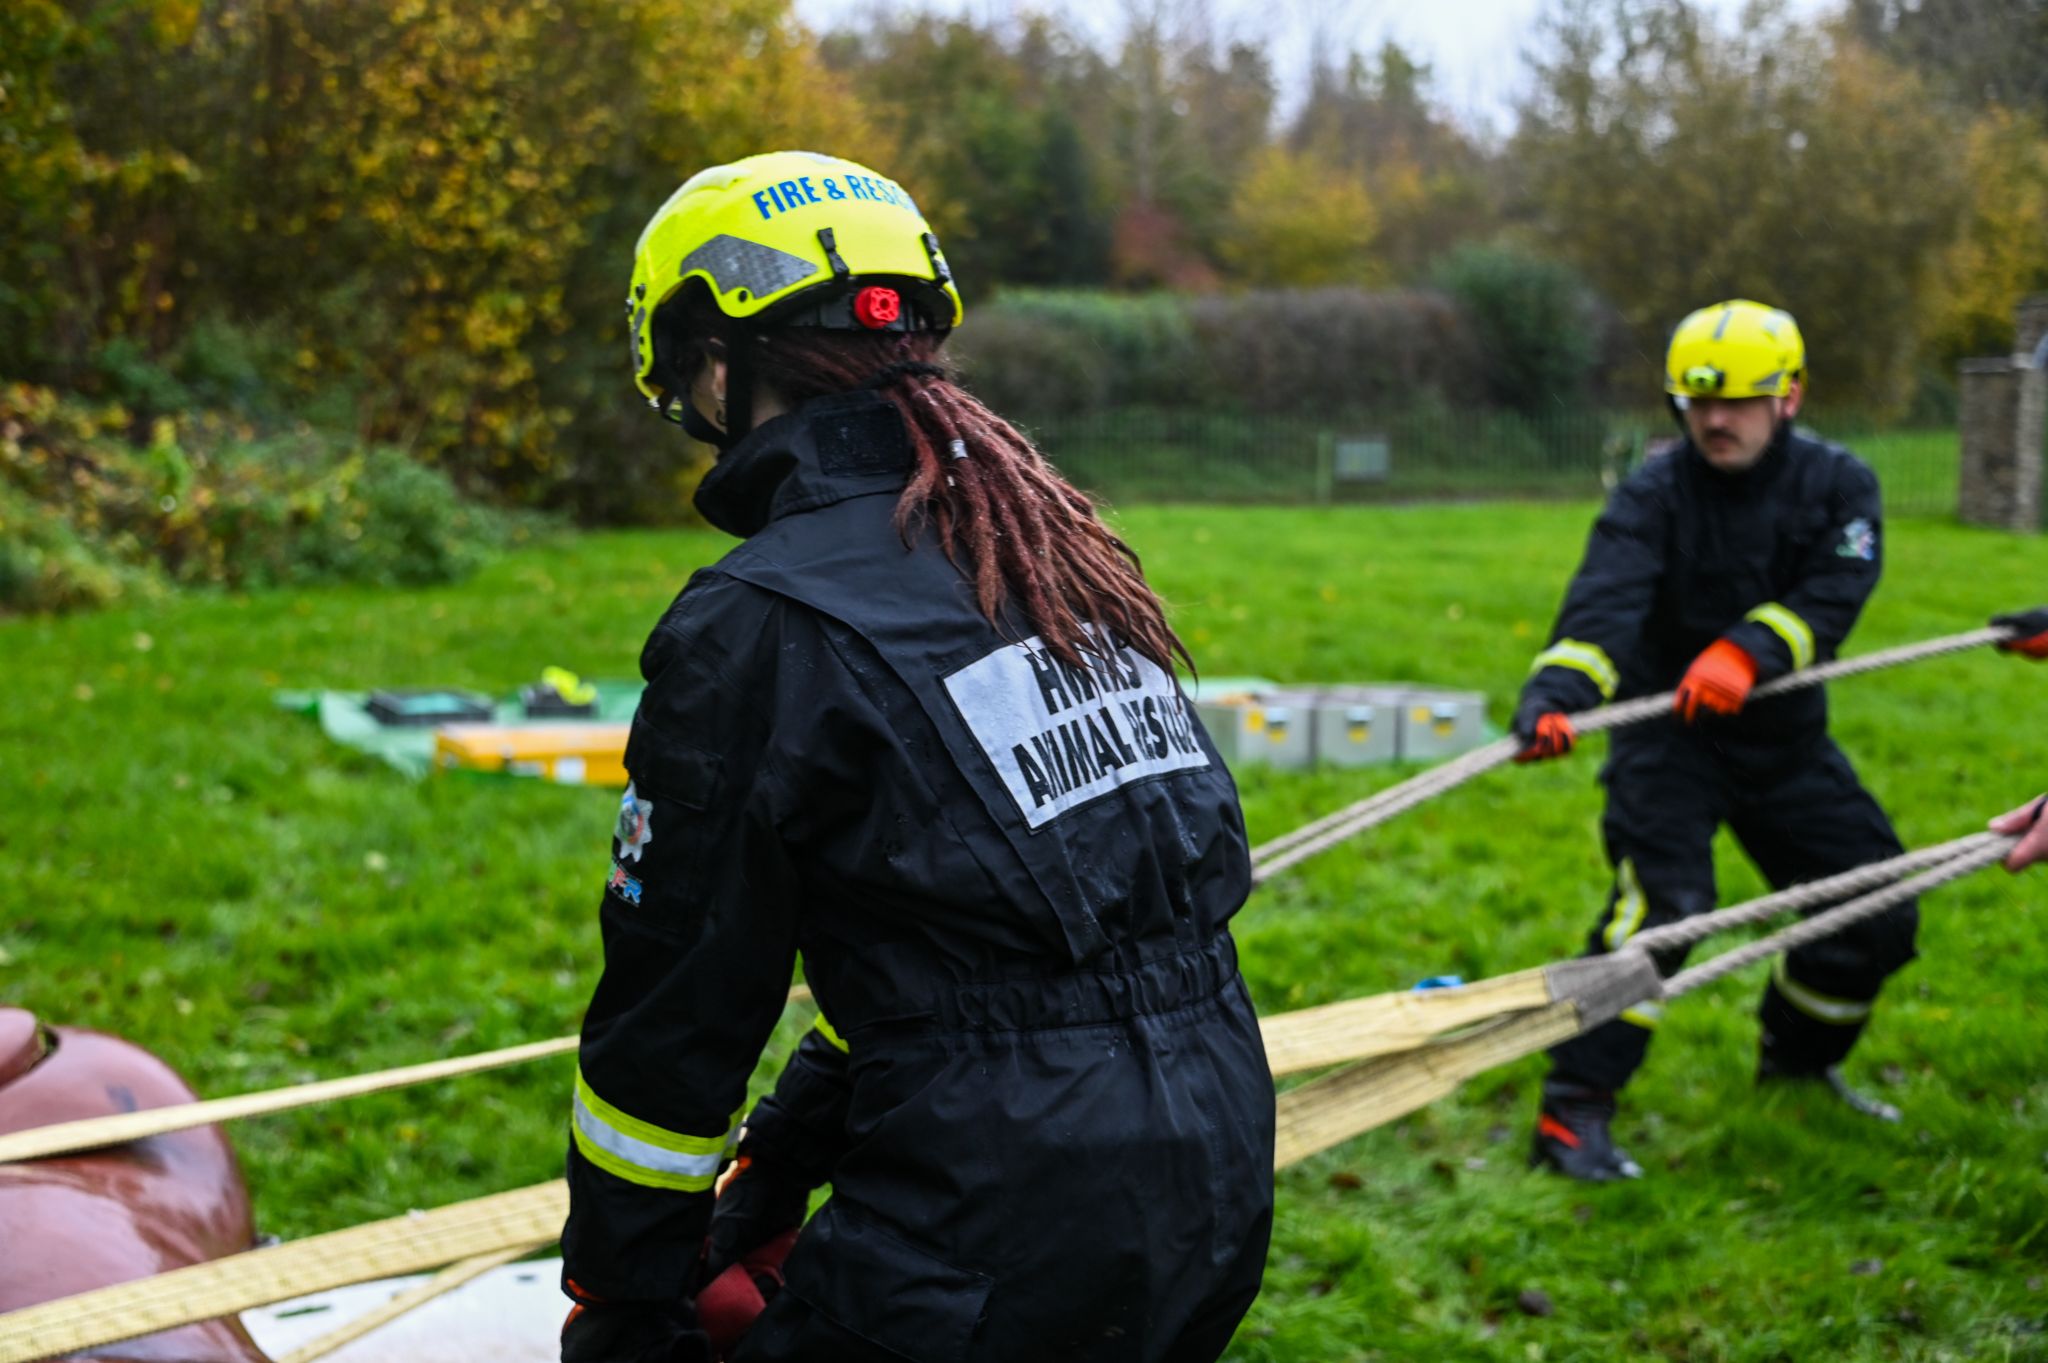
(1253, 720)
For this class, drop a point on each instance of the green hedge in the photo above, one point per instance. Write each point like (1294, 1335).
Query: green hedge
(1061, 353)
(98, 503)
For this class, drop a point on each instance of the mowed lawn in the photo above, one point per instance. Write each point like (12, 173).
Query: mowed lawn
(184, 863)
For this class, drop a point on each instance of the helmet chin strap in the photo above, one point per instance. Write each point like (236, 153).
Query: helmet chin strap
(699, 427)
(738, 404)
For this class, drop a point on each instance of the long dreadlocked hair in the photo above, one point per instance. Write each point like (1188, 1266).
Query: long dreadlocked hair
(1026, 537)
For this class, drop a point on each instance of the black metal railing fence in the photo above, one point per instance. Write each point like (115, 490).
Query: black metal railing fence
(1152, 454)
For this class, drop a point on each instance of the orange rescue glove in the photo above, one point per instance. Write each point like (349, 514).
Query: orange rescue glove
(2030, 638)
(1718, 682)
(1544, 736)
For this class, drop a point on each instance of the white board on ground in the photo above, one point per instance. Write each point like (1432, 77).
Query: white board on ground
(509, 1315)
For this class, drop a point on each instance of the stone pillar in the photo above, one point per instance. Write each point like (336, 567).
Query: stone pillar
(2030, 324)
(2004, 428)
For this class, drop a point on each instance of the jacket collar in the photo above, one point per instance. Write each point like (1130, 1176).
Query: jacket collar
(831, 448)
(1759, 475)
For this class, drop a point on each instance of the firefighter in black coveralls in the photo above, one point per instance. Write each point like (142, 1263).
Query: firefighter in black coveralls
(922, 727)
(1745, 553)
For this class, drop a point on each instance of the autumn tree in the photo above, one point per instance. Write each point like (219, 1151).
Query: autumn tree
(1299, 221)
(435, 205)
(1675, 164)
(1978, 52)
(1191, 116)
(1374, 118)
(1989, 59)
(983, 124)
(2001, 253)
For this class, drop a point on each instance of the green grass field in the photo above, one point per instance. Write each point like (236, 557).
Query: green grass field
(183, 863)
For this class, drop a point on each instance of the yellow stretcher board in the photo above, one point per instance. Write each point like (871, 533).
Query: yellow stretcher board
(573, 754)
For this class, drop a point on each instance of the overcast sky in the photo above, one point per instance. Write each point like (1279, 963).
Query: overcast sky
(1474, 46)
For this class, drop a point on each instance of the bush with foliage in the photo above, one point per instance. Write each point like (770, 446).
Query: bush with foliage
(1277, 350)
(98, 504)
(430, 206)
(1535, 322)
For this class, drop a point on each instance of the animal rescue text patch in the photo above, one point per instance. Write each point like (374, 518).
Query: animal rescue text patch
(1061, 735)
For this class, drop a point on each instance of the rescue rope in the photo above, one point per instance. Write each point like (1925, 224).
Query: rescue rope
(1830, 921)
(1574, 996)
(1688, 932)
(91, 1133)
(1309, 1038)
(1350, 1101)
(1289, 849)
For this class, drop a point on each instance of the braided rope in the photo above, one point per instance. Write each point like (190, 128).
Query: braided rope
(1271, 858)
(1690, 931)
(1311, 1117)
(1834, 920)
(1346, 823)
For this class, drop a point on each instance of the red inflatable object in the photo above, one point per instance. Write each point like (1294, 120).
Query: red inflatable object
(76, 1222)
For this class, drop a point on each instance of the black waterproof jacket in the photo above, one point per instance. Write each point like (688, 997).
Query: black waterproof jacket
(1009, 881)
(1778, 559)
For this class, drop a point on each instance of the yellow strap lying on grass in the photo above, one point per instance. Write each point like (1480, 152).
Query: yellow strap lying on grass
(1312, 1117)
(414, 1297)
(92, 1133)
(382, 1249)
(1354, 1029)
(1531, 1011)
(507, 1223)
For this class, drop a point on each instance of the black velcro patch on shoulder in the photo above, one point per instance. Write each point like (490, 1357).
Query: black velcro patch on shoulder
(859, 433)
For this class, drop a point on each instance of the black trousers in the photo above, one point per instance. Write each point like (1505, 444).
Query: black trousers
(1800, 813)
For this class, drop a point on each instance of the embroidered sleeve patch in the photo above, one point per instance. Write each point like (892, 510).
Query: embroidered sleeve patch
(1859, 540)
(636, 825)
(1060, 736)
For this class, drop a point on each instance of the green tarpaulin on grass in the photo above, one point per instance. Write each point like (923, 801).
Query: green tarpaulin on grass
(345, 717)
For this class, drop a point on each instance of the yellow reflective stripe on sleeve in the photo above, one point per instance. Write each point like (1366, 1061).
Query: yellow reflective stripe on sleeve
(641, 1152)
(1644, 1015)
(1813, 1003)
(833, 1038)
(1630, 906)
(1796, 633)
(1581, 656)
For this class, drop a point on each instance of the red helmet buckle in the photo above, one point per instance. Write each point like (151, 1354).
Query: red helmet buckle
(876, 307)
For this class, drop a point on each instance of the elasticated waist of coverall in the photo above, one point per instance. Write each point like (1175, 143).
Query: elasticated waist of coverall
(1076, 998)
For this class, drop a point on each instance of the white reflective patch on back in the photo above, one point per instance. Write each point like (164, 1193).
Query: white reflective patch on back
(1060, 736)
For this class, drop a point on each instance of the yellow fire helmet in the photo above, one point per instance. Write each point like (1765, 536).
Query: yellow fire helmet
(787, 238)
(1736, 349)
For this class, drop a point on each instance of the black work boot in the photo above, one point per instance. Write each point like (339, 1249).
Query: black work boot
(1573, 1136)
(1771, 1074)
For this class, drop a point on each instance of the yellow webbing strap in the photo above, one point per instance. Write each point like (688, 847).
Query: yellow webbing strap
(382, 1249)
(93, 1133)
(1312, 1117)
(1330, 1110)
(442, 1283)
(1354, 1029)
(1357, 1029)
